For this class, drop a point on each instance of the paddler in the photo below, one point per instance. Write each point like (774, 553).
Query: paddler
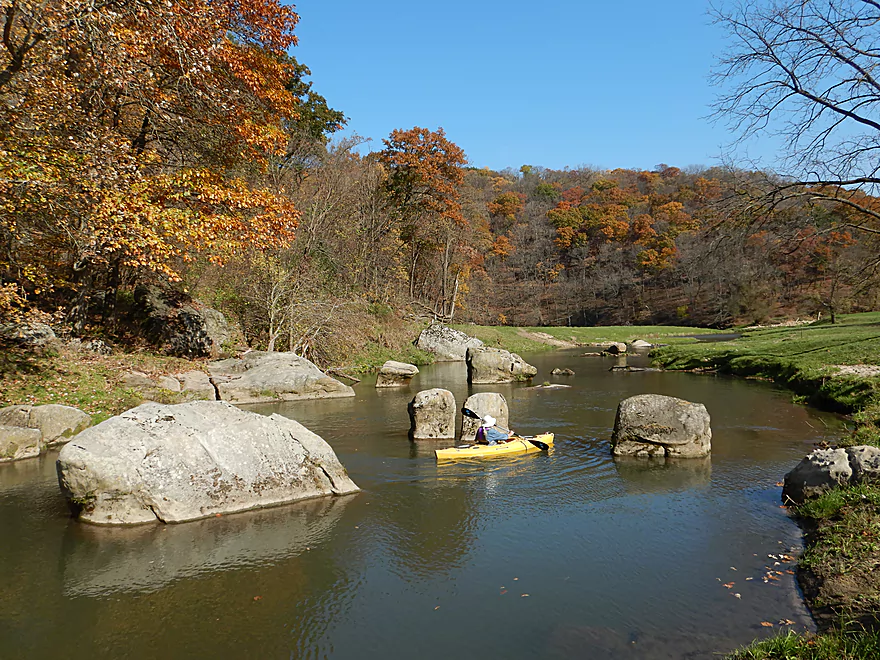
(489, 434)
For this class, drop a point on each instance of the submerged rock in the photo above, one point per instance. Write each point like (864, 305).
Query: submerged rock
(658, 425)
(562, 372)
(484, 403)
(495, 365)
(396, 374)
(448, 344)
(194, 460)
(432, 415)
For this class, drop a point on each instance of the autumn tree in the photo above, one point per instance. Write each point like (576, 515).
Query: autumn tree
(424, 174)
(124, 154)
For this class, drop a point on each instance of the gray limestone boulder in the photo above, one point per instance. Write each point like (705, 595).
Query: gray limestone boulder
(194, 460)
(817, 473)
(198, 384)
(484, 403)
(615, 348)
(495, 365)
(136, 379)
(261, 377)
(17, 442)
(448, 344)
(640, 344)
(168, 383)
(432, 415)
(396, 374)
(30, 334)
(657, 425)
(55, 423)
(865, 463)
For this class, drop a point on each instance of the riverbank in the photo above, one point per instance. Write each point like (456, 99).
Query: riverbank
(836, 367)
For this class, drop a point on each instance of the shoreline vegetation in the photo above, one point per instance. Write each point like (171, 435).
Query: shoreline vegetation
(832, 366)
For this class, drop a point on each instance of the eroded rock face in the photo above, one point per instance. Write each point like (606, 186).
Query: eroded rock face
(261, 377)
(657, 425)
(186, 327)
(194, 460)
(448, 344)
(484, 403)
(826, 469)
(396, 374)
(17, 442)
(55, 423)
(197, 383)
(495, 365)
(432, 415)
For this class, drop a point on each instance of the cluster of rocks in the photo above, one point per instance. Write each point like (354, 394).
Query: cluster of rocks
(433, 414)
(26, 431)
(827, 469)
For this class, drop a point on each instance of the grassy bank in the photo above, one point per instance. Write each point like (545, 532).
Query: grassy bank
(804, 359)
(837, 571)
(532, 340)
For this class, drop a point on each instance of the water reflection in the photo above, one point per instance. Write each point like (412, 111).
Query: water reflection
(663, 475)
(99, 561)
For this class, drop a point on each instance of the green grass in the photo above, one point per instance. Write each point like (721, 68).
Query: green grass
(850, 645)
(511, 339)
(801, 358)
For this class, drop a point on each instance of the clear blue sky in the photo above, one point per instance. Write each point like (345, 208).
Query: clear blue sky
(555, 83)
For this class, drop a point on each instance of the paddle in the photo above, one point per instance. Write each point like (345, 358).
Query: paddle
(467, 412)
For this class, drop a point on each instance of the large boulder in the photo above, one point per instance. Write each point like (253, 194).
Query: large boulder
(18, 442)
(194, 460)
(826, 469)
(657, 425)
(484, 403)
(184, 326)
(29, 334)
(197, 384)
(55, 423)
(448, 344)
(396, 374)
(432, 415)
(495, 365)
(261, 377)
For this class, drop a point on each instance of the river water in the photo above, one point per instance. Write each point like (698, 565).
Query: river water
(562, 555)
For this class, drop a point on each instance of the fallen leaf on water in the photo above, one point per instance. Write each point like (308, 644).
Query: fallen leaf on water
(728, 585)
(524, 596)
(503, 591)
(436, 608)
(786, 622)
(766, 624)
(780, 483)
(749, 578)
(789, 571)
(737, 595)
(733, 568)
(258, 598)
(516, 578)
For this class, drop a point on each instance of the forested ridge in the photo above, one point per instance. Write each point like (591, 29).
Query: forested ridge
(200, 157)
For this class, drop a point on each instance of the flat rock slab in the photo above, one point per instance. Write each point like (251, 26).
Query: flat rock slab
(182, 462)
(396, 374)
(447, 344)
(261, 377)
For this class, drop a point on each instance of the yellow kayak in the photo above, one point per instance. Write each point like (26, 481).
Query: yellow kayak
(516, 445)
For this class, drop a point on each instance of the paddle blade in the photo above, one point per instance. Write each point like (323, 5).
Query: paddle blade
(540, 445)
(467, 412)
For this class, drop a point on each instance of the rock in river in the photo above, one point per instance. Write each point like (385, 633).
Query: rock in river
(261, 377)
(396, 374)
(495, 365)
(657, 425)
(432, 415)
(194, 460)
(448, 344)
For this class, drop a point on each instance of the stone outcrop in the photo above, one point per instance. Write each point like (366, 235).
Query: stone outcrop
(261, 377)
(495, 365)
(640, 344)
(184, 326)
(562, 372)
(55, 423)
(448, 344)
(17, 442)
(656, 425)
(432, 415)
(194, 460)
(484, 403)
(826, 469)
(396, 374)
(168, 383)
(29, 334)
(198, 384)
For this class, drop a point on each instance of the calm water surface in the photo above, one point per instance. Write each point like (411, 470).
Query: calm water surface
(562, 555)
